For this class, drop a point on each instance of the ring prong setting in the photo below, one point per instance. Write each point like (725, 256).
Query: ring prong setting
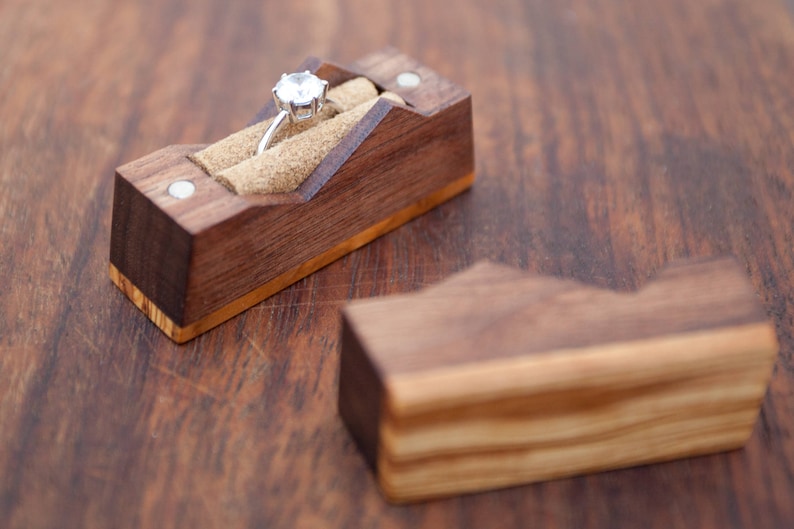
(299, 97)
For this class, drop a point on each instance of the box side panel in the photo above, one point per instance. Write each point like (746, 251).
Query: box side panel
(149, 249)
(360, 395)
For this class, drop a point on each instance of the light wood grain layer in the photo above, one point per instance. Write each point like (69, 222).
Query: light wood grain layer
(572, 412)
(496, 377)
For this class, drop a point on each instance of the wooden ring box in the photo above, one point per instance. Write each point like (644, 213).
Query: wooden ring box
(191, 264)
(496, 377)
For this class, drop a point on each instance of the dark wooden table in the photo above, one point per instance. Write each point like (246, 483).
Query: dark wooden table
(611, 138)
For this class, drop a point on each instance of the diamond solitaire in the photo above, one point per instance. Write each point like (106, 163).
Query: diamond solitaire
(298, 96)
(304, 92)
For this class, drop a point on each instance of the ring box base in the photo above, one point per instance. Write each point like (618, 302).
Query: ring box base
(191, 264)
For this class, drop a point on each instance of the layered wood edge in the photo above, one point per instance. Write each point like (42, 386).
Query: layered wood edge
(424, 453)
(496, 377)
(182, 334)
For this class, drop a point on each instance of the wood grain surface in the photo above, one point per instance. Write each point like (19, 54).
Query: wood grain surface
(497, 377)
(611, 137)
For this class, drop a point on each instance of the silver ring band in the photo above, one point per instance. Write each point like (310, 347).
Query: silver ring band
(280, 120)
(270, 133)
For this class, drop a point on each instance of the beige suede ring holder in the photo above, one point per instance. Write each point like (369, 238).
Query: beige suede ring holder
(297, 149)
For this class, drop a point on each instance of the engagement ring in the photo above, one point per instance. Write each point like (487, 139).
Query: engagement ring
(299, 96)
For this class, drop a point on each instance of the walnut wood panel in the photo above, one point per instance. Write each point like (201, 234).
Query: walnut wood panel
(611, 138)
(312, 263)
(494, 377)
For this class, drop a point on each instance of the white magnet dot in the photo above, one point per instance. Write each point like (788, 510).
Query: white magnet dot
(181, 189)
(408, 79)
